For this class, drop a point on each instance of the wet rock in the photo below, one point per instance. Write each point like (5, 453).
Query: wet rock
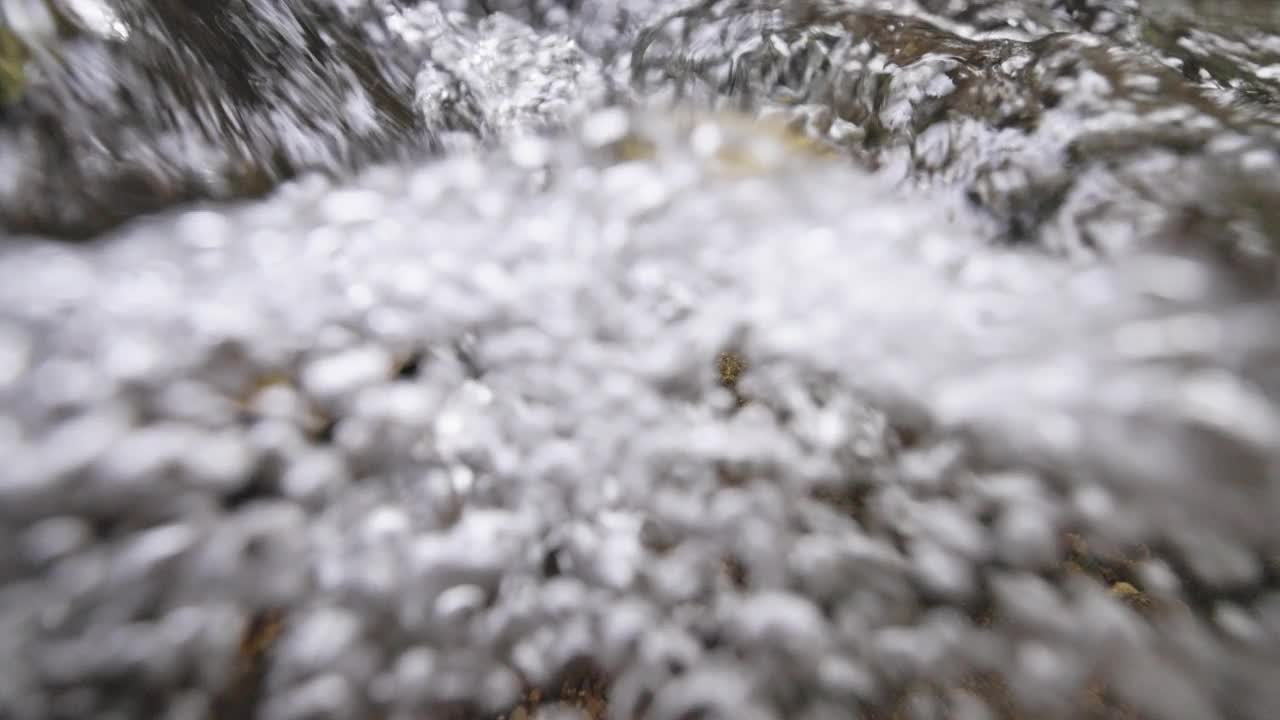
(136, 105)
(1053, 130)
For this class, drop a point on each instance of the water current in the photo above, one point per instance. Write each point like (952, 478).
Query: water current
(733, 359)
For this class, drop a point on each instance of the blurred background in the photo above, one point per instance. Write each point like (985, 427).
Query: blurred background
(630, 359)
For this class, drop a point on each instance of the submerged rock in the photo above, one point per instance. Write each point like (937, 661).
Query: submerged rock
(1073, 126)
(1065, 138)
(155, 103)
(171, 101)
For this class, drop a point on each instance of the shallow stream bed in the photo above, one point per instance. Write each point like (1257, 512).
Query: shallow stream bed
(794, 359)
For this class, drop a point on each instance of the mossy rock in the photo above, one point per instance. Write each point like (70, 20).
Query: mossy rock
(13, 60)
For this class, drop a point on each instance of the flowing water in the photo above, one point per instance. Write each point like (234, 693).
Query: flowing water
(791, 359)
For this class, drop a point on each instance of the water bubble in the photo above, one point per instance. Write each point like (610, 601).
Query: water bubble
(337, 375)
(321, 637)
(54, 538)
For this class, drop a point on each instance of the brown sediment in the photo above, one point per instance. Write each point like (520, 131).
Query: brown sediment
(731, 367)
(586, 691)
(244, 693)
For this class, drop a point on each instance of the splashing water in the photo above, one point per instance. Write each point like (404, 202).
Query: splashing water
(767, 360)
